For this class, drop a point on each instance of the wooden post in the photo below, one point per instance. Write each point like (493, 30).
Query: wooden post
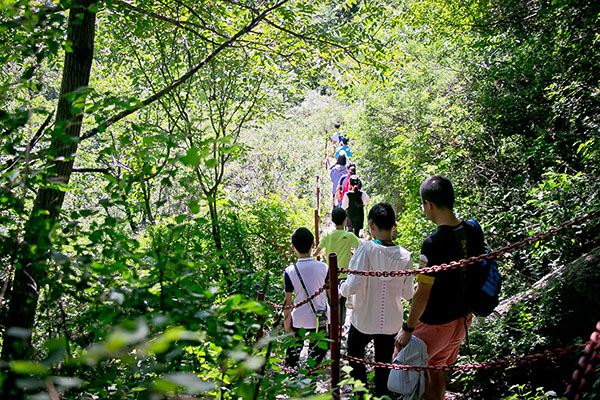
(334, 327)
(316, 228)
(318, 194)
(317, 213)
(261, 318)
(325, 159)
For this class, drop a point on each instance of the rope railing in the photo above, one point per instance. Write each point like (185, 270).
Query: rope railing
(586, 364)
(505, 363)
(493, 254)
(300, 303)
(307, 371)
(452, 265)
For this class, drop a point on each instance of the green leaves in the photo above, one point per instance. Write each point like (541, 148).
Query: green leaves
(28, 368)
(190, 384)
(192, 157)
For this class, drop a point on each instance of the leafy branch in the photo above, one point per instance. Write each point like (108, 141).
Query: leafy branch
(125, 113)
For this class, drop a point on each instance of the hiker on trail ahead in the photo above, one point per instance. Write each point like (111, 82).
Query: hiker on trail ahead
(343, 147)
(343, 184)
(377, 313)
(354, 202)
(340, 242)
(338, 136)
(337, 171)
(301, 280)
(439, 314)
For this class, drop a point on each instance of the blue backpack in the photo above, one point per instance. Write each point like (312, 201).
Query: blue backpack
(483, 283)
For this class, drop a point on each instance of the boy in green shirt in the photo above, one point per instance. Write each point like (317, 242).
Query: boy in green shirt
(340, 242)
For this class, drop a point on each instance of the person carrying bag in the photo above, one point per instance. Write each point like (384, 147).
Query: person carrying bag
(312, 317)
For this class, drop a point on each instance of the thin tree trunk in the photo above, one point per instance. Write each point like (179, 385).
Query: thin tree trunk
(214, 222)
(147, 205)
(129, 215)
(31, 267)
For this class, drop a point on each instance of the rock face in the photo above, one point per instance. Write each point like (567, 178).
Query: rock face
(563, 308)
(572, 293)
(579, 294)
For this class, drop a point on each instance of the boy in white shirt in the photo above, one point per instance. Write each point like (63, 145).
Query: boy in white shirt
(378, 312)
(306, 275)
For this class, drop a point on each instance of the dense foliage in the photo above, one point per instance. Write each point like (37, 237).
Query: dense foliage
(156, 157)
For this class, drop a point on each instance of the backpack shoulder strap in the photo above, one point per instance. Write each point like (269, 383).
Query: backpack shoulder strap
(461, 238)
(472, 221)
(304, 287)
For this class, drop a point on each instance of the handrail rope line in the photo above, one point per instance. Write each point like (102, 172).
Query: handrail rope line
(505, 363)
(454, 264)
(591, 348)
(517, 361)
(294, 371)
(301, 303)
(493, 254)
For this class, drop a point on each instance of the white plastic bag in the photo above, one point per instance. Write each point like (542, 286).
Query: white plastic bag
(411, 384)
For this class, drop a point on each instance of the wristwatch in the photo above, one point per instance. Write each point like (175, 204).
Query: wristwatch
(405, 328)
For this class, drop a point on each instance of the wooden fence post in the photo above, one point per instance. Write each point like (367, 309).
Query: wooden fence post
(334, 328)
(317, 213)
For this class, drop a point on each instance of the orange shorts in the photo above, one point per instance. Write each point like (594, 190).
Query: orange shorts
(443, 341)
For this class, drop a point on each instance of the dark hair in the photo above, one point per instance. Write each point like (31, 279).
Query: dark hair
(302, 239)
(352, 168)
(338, 215)
(337, 125)
(345, 140)
(355, 184)
(438, 190)
(383, 216)
(341, 159)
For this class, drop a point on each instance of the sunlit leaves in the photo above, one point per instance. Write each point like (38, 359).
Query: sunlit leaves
(192, 157)
(28, 367)
(189, 382)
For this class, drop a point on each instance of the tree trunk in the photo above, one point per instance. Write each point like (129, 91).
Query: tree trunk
(214, 222)
(31, 267)
(129, 215)
(147, 205)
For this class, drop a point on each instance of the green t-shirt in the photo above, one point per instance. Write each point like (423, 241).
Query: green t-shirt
(339, 242)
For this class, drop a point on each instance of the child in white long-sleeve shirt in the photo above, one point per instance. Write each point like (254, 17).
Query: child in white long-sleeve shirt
(378, 312)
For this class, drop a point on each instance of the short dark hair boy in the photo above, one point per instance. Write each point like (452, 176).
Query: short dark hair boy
(383, 216)
(438, 189)
(338, 215)
(302, 240)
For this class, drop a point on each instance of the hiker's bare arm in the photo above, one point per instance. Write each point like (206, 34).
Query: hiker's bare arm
(287, 314)
(417, 307)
